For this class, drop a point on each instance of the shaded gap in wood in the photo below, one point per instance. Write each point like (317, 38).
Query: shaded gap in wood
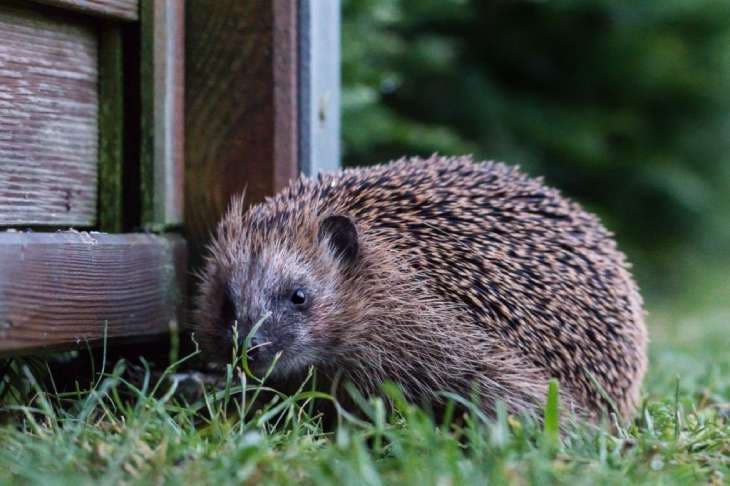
(131, 174)
(111, 129)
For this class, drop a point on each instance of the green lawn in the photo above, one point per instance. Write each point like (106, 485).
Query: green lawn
(119, 433)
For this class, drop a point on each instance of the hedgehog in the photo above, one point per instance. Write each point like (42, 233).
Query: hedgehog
(441, 275)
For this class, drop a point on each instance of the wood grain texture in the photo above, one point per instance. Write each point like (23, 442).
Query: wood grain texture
(241, 105)
(116, 9)
(163, 124)
(48, 119)
(59, 289)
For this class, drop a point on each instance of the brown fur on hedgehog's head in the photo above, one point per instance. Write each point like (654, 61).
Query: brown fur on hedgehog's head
(288, 276)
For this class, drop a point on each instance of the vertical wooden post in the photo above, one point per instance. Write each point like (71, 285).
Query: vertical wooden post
(162, 143)
(241, 105)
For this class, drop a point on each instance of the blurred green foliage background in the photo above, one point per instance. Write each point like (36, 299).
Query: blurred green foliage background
(622, 104)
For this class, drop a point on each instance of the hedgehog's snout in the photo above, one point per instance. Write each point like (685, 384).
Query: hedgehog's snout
(253, 348)
(259, 352)
(257, 347)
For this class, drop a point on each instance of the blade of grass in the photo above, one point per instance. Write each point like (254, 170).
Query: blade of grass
(551, 416)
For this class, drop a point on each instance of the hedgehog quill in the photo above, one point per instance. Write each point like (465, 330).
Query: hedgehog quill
(439, 274)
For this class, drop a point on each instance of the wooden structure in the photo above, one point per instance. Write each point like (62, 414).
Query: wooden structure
(125, 127)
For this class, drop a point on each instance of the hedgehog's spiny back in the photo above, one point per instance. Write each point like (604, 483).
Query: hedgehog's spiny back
(535, 269)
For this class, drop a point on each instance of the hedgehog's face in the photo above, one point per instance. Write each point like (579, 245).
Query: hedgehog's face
(278, 301)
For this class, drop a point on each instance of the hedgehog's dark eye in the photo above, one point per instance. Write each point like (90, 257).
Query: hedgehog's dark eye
(299, 297)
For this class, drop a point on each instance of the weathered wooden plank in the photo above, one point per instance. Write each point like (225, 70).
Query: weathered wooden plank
(116, 9)
(163, 78)
(59, 289)
(48, 119)
(319, 86)
(111, 129)
(241, 104)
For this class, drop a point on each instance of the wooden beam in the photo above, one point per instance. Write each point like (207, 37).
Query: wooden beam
(163, 79)
(241, 105)
(116, 9)
(319, 86)
(62, 289)
(48, 118)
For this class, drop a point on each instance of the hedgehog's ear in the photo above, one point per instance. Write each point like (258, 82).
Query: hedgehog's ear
(342, 236)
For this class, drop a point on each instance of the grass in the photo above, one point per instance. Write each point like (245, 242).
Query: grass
(122, 432)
